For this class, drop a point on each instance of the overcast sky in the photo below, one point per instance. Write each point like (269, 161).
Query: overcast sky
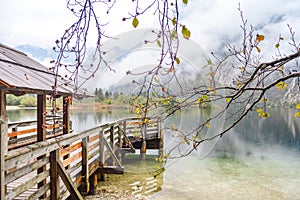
(213, 22)
(39, 22)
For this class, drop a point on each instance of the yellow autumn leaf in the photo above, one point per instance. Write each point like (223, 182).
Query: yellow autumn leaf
(239, 84)
(158, 43)
(259, 37)
(185, 1)
(227, 100)
(177, 60)
(298, 106)
(174, 21)
(281, 85)
(203, 98)
(137, 110)
(259, 110)
(266, 99)
(297, 114)
(193, 138)
(209, 62)
(207, 125)
(174, 35)
(135, 22)
(264, 114)
(258, 49)
(186, 33)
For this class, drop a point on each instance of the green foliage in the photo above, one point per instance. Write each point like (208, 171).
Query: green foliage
(25, 100)
(12, 100)
(28, 101)
(99, 95)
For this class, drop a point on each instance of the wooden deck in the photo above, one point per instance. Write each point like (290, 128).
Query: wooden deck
(68, 165)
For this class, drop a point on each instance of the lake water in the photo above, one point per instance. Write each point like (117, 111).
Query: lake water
(258, 159)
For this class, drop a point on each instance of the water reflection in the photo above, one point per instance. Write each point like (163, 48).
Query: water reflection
(273, 137)
(258, 159)
(86, 119)
(17, 115)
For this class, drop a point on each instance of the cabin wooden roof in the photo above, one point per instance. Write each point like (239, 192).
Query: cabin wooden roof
(21, 74)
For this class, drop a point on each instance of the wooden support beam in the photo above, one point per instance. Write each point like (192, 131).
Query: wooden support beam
(112, 154)
(67, 100)
(41, 118)
(161, 137)
(85, 186)
(101, 147)
(41, 131)
(112, 141)
(119, 146)
(3, 141)
(54, 180)
(62, 172)
(144, 144)
(66, 114)
(93, 184)
(101, 176)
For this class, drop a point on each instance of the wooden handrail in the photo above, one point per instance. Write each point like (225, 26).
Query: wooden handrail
(31, 122)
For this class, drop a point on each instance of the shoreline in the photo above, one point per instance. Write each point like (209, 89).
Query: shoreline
(80, 106)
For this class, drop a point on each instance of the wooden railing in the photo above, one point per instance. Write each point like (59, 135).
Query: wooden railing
(96, 151)
(25, 133)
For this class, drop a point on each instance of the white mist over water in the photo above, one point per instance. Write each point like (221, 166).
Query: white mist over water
(258, 159)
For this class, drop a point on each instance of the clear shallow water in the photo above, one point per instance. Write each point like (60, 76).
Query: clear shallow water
(259, 159)
(225, 178)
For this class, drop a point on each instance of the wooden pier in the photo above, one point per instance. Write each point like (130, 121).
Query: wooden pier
(44, 158)
(72, 163)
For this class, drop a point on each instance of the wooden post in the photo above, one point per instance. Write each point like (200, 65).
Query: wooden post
(125, 134)
(85, 186)
(3, 141)
(93, 184)
(144, 144)
(102, 177)
(14, 138)
(41, 131)
(120, 143)
(124, 127)
(54, 181)
(66, 114)
(66, 121)
(112, 143)
(161, 137)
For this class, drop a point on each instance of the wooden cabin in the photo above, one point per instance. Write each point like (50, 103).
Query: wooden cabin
(19, 75)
